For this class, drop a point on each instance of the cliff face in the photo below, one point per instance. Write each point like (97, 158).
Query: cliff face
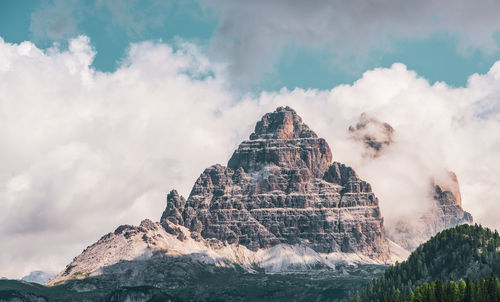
(281, 186)
(443, 192)
(445, 212)
(281, 204)
(449, 202)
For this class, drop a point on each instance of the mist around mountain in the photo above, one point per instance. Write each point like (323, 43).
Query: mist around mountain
(39, 277)
(281, 221)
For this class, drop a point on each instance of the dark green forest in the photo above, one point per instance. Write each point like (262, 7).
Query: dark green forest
(466, 252)
(485, 290)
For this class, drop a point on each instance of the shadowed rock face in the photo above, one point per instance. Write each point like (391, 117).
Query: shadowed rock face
(282, 187)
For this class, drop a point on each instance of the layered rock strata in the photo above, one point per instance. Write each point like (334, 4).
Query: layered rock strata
(281, 186)
(447, 211)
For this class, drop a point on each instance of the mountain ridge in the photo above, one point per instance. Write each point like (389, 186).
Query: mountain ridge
(280, 205)
(281, 186)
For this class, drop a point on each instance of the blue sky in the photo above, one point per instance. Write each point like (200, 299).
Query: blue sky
(112, 25)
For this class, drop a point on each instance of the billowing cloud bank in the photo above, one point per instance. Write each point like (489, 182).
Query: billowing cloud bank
(83, 152)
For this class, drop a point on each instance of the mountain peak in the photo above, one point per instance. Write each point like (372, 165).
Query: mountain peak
(283, 123)
(282, 187)
(282, 140)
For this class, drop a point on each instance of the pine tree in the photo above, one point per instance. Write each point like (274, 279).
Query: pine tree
(469, 291)
(452, 292)
(462, 289)
(411, 296)
(439, 292)
(492, 288)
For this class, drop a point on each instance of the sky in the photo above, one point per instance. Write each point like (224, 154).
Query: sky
(105, 106)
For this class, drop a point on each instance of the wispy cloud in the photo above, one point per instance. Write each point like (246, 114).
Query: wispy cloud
(251, 35)
(59, 20)
(55, 21)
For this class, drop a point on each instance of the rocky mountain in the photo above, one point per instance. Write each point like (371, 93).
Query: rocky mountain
(281, 186)
(449, 202)
(444, 191)
(281, 204)
(150, 240)
(445, 212)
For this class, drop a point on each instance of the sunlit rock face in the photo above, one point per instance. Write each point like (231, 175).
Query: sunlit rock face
(281, 186)
(447, 209)
(445, 212)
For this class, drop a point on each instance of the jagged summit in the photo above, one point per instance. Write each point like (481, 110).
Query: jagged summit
(281, 187)
(283, 123)
(282, 140)
(280, 204)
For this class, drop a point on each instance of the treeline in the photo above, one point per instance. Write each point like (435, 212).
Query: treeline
(485, 290)
(462, 252)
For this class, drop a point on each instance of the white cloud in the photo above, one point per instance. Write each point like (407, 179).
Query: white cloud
(84, 151)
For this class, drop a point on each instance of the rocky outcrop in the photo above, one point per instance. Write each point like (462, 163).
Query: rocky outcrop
(445, 212)
(281, 187)
(375, 135)
(281, 204)
(152, 241)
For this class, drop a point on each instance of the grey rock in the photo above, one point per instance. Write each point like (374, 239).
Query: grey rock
(446, 212)
(281, 186)
(375, 135)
